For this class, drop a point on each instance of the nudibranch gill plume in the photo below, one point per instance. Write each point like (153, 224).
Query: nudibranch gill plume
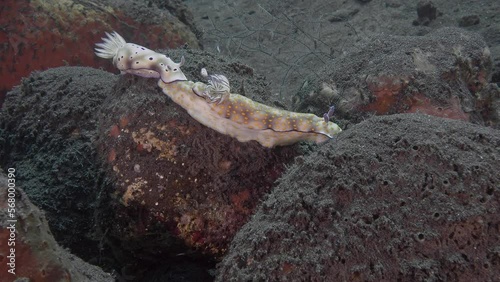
(213, 105)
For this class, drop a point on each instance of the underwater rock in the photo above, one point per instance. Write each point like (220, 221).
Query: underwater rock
(63, 33)
(426, 12)
(47, 128)
(37, 256)
(470, 20)
(444, 73)
(125, 176)
(176, 177)
(406, 197)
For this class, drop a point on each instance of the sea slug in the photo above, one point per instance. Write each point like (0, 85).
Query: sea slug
(213, 105)
(139, 60)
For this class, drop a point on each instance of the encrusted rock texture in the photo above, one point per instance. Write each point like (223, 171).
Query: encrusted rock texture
(38, 257)
(132, 183)
(407, 197)
(127, 177)
(48, 126)
(41, 34)
(173, 175)
(445, 73)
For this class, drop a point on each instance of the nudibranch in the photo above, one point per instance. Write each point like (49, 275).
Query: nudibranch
(214, 106)
(139, 60)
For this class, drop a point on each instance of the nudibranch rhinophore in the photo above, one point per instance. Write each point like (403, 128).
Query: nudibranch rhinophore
(213, 105)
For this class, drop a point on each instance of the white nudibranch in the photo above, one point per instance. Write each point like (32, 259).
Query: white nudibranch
(213, 104)
(139, 60)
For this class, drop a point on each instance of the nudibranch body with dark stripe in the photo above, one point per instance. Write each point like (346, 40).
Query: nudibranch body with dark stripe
(245, 120)
(214, 106)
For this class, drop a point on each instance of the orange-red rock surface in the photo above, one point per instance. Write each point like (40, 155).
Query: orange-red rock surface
(40, 34)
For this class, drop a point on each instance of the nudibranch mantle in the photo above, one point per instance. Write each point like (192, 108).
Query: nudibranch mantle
(139, 60)
(246, 120)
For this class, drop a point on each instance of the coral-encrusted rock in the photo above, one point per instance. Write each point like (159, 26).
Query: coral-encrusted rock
(176, 177)
(444, 73)
(47, 128)
(402, 197)
(37, 255)
(59, 124)
(64, 32)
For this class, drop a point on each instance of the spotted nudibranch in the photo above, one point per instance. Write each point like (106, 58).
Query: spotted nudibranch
(138, 60)
(214, 106)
